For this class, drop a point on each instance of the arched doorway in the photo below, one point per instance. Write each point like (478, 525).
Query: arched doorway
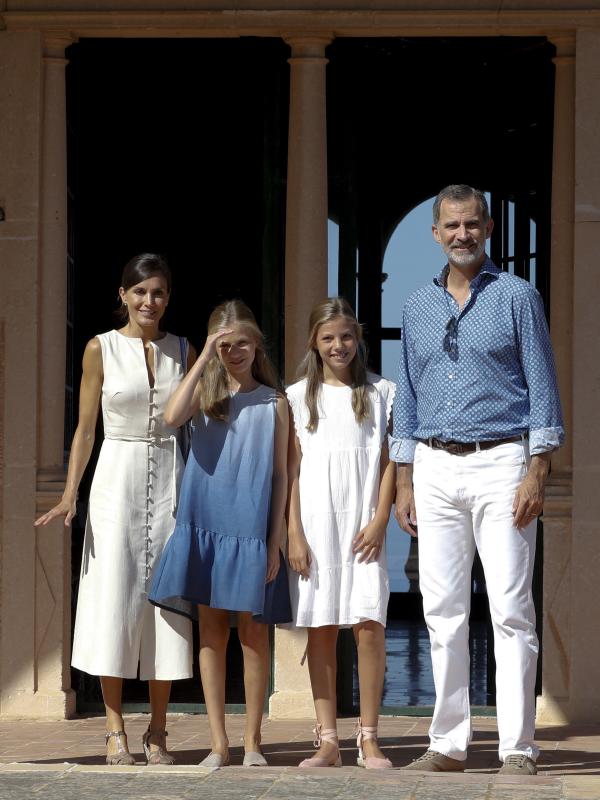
(397, 134)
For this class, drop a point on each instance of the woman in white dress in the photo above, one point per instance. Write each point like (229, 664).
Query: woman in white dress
(132, 505)
(341, 491)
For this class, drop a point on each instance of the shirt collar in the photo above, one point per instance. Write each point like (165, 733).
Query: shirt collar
(488, 268)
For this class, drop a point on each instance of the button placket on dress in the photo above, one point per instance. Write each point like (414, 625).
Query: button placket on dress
(151, 462)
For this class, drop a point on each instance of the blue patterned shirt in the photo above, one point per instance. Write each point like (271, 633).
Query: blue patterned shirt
(483, 373)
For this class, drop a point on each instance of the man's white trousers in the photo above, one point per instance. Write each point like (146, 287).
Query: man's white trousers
(463, 502)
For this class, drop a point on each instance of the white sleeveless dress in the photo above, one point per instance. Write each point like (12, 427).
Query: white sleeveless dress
(131, 516)
(339, 491)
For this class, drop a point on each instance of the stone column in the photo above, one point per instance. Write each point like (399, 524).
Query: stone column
(585, 560)
(35, 598)
(53, 563)
(563, 216)
(305, 285)
(53, 257)
(553, 706)
(306, 205)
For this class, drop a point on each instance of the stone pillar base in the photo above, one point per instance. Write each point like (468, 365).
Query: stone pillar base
(566, 711)
(553, 710)
(292, 696)
(291, 705)
(38, 705)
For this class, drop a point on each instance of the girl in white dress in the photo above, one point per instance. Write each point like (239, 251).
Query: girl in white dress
(341, 491)
(133, 498)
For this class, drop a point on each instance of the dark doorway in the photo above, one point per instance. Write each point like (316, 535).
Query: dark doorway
(177, 147)
(405, 118)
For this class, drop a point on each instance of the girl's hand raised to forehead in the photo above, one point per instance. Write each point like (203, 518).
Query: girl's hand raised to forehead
(212, 341)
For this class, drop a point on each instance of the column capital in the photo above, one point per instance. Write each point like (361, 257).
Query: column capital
(54, 45)
(308, 45)
(564, 41)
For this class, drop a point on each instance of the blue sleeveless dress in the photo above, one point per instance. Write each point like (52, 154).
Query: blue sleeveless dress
(217, 555)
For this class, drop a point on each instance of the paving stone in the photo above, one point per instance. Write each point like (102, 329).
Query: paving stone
(306, 786)
(18, 786)
(272, 784)
(529, 792)
(158, 769)
(69, 764)
(582, 788)
(465, 790)
(27, 767)
(395, 788)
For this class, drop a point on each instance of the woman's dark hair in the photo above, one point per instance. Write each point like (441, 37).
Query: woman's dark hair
(139, 269)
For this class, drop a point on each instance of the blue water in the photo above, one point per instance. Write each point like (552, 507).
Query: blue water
(408, 676)
(397, 546)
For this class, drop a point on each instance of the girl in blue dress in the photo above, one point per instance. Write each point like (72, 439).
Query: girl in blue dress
(225, 552)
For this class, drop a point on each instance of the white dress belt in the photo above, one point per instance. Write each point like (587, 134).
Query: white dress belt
(150, 439)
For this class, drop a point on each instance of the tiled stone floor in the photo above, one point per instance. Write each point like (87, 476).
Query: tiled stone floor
(66, 760)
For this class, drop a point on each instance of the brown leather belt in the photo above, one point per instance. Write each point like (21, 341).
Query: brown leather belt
(460, 448)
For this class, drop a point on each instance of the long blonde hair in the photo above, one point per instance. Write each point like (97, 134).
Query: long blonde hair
(311, 366)
(214, 392)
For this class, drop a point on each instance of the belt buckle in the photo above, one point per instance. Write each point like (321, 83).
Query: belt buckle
(454, 448)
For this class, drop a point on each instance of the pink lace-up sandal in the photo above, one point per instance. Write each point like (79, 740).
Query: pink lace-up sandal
(327, 735)
(364, 732)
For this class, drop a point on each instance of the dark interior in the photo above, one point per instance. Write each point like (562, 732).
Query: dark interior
(180, 147)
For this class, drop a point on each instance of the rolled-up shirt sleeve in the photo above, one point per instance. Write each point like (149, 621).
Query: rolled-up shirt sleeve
(401, 442)
(546, 431)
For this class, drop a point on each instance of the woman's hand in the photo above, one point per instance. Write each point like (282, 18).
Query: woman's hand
(83, 440)
(299, 554)
(369, 542)
(66, 509)
(273, 562)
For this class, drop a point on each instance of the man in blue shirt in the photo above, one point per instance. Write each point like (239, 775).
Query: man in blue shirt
(476, 416)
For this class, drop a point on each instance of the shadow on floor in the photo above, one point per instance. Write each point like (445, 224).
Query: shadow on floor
(401, 750)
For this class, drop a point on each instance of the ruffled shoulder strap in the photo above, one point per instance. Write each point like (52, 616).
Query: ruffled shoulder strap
(386, 389)
(296, 397)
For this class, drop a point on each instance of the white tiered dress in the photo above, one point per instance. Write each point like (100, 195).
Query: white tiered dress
(131, 516)
(339, 490)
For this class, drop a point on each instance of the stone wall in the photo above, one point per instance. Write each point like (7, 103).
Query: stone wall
(34, 595)
(35, 566)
